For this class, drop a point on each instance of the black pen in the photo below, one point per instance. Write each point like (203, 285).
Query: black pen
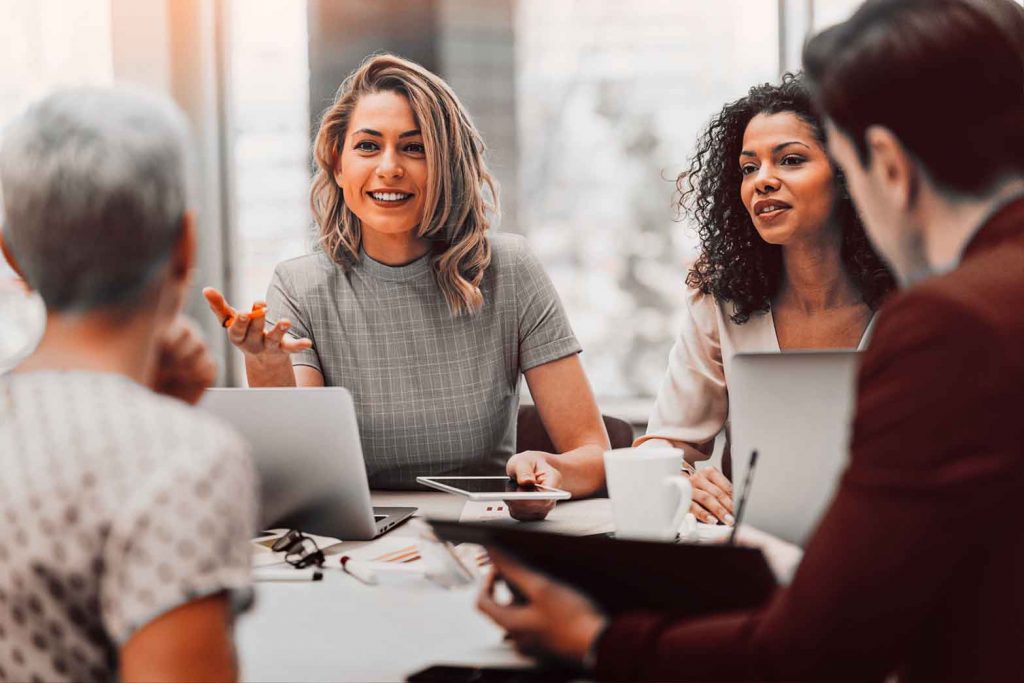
(743, 498)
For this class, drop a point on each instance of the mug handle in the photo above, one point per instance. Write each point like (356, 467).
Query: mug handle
(685, 497)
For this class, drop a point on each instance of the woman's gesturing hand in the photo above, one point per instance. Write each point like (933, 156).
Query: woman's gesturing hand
(246, 330)
(712, 496)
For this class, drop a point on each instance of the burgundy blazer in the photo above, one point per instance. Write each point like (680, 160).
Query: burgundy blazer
(917, 567)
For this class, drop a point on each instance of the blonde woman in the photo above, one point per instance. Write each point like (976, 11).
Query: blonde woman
(410, 304)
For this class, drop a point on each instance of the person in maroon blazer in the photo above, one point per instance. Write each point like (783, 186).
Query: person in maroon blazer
(917, 567)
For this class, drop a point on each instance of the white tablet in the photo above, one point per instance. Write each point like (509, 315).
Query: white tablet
(493, 488)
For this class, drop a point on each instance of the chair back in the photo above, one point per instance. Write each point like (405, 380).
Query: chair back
(531, 435)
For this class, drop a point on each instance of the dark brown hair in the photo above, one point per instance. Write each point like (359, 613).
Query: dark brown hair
(945, 76)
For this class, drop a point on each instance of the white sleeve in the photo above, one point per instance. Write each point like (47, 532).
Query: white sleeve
(693, 400)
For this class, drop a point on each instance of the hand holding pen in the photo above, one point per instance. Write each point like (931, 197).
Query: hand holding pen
(251, 332)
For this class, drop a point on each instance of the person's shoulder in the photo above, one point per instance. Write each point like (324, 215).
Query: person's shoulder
(989, 283)
(314, 262)
(181, 440)
(313, 265)
(932, 319)
(705, 312)
(202, 454)
(513, 265)
(307, 272)
(207, 435)
(937, 356)
(508, 249)
(934, 306)
(701, 304)
(975, 305)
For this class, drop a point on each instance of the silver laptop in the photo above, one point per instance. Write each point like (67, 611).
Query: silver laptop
(795, 408)
(305, 444)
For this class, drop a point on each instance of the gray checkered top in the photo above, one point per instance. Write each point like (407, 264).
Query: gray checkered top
(434, 393)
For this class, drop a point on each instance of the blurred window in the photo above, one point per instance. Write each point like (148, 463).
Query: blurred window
(268, 125)
(829, 12)
(45, 44)
(610, 99)
(49, 43)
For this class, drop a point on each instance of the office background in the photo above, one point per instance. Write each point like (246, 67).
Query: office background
(590, 109)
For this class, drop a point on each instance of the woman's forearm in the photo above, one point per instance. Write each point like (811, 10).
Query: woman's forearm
(582, 469)
(273, 371)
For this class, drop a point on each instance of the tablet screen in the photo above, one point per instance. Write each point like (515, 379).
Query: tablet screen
(486, 485)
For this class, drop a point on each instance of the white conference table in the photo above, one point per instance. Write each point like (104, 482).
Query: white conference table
(340, 629)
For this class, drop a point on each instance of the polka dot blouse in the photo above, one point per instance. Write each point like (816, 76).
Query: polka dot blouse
(116, 505)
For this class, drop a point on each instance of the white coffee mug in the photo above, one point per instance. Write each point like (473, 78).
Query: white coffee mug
(650, 498)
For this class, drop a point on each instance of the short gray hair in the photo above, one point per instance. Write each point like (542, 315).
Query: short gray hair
(94, 193)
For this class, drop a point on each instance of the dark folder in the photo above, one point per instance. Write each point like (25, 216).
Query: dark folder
(625, 575)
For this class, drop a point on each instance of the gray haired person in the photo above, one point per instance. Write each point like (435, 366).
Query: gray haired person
(128, 512)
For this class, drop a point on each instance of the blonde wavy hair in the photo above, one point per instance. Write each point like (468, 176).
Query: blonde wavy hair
(456, 207)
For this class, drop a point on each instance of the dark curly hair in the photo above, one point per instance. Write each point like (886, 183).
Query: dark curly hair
(735, 264)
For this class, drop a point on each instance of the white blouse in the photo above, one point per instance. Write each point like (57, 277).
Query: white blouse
(693, 401)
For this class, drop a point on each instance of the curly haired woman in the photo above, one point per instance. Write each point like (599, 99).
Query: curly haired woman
(411, 305)
(784, 264)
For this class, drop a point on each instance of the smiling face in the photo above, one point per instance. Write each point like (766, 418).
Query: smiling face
(382, 169)
(788, 185)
